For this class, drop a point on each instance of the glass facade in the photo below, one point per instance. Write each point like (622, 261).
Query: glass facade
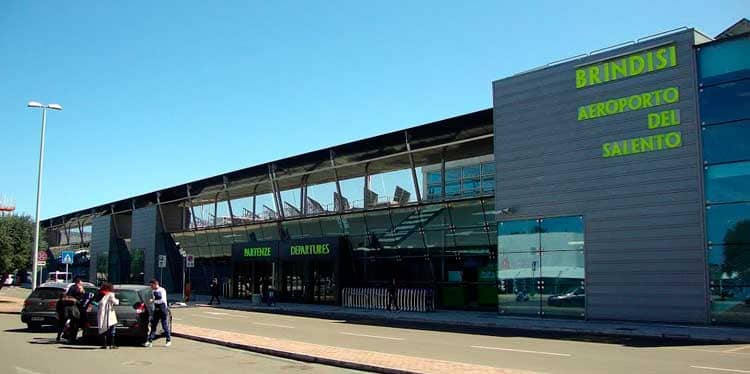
(541, 270)
(724, 76)
(461, 181)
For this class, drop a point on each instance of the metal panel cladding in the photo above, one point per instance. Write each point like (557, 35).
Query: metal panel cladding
(614, 137)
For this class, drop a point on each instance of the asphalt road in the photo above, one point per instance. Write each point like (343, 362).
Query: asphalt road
(24, 352)
(571, 354)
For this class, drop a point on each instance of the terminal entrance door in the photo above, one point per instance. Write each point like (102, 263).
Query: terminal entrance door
(249, 276)
(309, 282)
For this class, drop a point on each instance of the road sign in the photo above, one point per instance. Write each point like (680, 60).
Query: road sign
(162, 261)
(190, 261)
(41, 256)
(41, 263)
(67, 257)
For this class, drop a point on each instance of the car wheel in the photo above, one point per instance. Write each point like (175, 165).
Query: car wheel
(33, 326)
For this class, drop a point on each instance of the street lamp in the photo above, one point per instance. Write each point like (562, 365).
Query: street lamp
(35, 254)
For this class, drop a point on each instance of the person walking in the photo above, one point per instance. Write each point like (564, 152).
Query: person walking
(106, 317)
(392, 295)
(160, 313)
(215, 291)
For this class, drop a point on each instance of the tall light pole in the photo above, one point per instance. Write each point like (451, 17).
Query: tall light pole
(35, 254)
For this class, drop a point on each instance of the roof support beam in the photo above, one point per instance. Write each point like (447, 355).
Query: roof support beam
(413, 168)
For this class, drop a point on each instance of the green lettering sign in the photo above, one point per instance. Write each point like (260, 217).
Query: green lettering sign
(664, 96)
(256, 252)
(658, 142)
(632, 65)
(309, 250)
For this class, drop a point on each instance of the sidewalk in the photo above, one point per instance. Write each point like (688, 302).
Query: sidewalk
(493, 322)
(335, 356)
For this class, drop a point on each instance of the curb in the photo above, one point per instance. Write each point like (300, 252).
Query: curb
(296, 356)
(625, 332)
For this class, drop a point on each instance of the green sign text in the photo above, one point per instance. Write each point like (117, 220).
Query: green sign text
(628, 66)
(310, 249)
(651, 143)
(256, 252)
(644, 100)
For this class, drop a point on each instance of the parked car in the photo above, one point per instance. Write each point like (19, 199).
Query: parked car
(132, 314)
(40, 307)
(573, 298)
(9, 280)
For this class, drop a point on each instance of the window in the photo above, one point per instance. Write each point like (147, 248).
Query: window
(488, 185)
(471, 171)
(433, 177)
(724, 61)
(541, 267)
(724, 143)
(452, 175)
(488, 168)
(728, 182)
(725, 102)
(728, 223)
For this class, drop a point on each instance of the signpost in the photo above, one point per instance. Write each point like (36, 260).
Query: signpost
(162, 265)
(41, 261)
(67, 259)
(190, 260)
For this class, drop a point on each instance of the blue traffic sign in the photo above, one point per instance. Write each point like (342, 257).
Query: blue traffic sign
(67, 257)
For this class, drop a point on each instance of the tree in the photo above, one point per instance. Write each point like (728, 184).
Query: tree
(737, 251)
(16, 242)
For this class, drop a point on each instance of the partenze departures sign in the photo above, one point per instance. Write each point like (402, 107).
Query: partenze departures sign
(634, 65)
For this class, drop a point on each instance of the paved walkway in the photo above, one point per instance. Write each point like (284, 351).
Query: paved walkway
(10, 305)
(486, 321)
(343, 357)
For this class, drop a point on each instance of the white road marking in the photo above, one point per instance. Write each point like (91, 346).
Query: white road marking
(371, 336)
(705, 350)
(522, 351)
(209, 317)
(273, 325)
(21, 370)
(218, 313)
(720, 369)
(735, 349)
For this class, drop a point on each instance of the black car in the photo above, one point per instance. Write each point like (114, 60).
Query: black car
(40, 308)
(573, 298)
(132, 313)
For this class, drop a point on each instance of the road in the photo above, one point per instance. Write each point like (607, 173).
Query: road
(581, 354)
(23, 352)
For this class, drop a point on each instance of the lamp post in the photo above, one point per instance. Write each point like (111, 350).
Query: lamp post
(35, 254)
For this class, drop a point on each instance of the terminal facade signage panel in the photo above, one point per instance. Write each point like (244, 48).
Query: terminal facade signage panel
(297, 249)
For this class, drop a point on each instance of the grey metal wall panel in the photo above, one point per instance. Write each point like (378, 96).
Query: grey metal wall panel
(101, 240)
(645, 256)
(144, 237)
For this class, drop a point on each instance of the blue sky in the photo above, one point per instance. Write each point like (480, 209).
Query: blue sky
(158, 93)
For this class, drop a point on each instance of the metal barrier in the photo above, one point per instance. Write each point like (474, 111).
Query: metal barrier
(407, 299)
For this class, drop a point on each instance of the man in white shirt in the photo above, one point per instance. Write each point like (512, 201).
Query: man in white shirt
(160, 313)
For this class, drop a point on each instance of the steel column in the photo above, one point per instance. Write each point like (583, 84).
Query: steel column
(338, 183)
(413, 169)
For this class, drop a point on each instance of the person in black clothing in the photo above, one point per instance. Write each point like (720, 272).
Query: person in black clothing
(215, 291)
(264, 290)
(392, 295)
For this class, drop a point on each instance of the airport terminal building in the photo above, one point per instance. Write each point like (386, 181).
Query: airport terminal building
(614, 185)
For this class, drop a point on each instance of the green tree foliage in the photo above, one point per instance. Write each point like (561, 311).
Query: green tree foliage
(16, 242)
(737, 251)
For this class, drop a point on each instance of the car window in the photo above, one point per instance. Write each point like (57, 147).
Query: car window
(46, 293)
(127, 297)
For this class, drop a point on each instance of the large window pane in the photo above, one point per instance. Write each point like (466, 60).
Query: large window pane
(472, 238)
(518, 236)
(519, 276)
(439, 240)
(724, 61)
(433, 177)
(452, 175)
(310, 228)
(354, 224)
(727, 142)
(488, 185)
(725, 102)
(729, 264)
(471, 171)
(729, 223)
(728, 182)
(452, 189)
(488, 168)
(467, 213)
(563, 284)
(378, 221)
(562, 234)
(331, 226)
